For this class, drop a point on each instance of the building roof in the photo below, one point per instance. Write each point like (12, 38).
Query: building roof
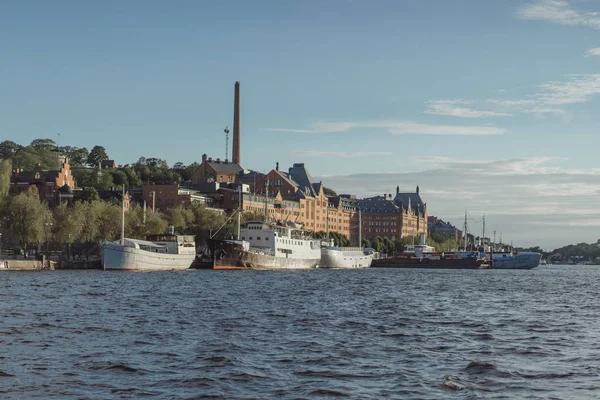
(303, 180)
(378, 204)
(225, 167)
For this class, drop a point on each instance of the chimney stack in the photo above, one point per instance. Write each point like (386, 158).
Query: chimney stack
(236, 157)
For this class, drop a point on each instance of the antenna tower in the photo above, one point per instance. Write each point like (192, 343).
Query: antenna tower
(226, 130)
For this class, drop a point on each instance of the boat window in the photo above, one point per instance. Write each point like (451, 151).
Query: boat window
(243, 238)
(250, 238)
(258, 238)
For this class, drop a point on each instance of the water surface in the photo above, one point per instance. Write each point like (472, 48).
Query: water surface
(364, 334)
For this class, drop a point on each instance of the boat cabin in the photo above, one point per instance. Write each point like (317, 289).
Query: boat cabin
(279, 240)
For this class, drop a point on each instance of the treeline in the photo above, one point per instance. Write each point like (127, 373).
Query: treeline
(86, 165)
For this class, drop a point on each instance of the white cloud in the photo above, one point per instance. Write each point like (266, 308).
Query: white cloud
(593, 52)
(397, 128)
(450, 108)
(542, 110)
(578, 89)
(349, 154)
(523, 198)
(415, 128)
(559, 12)
(512, 103)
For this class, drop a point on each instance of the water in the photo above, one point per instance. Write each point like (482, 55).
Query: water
(361, 334)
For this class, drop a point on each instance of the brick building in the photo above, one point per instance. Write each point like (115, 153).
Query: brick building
(54, 187)
(216, 171)
(164, 196)
(441, 228)
(393, 217)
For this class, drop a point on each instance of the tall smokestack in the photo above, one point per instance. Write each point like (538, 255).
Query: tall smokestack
(236, 156)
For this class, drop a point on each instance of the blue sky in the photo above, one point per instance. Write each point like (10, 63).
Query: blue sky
(482, 93)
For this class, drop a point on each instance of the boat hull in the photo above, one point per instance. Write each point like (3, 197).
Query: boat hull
(231, 255)
(117, 257)
(427, 263)
(340, 258)
(520, 261)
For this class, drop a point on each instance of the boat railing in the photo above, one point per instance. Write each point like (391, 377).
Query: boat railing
(262, 250)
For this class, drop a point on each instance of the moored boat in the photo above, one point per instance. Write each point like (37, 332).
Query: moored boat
(267, 246)
(521, 260)
(159, 252)
(345, 257)
(431, 262)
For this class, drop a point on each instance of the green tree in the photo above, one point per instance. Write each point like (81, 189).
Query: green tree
(27, 218)
(43, 144)
(96, 156)
(77, 156)
(8, 149)
(181, 218)
(366, 243)
(5, 174)
(68, 223)
(90, 194)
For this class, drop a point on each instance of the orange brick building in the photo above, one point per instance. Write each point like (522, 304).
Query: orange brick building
(216, 171)
(54, 187)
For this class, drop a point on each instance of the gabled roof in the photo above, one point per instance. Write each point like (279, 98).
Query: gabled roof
(221, 167)
(303, 179)
(286, 177)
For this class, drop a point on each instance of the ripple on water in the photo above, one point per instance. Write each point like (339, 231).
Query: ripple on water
(365, 334)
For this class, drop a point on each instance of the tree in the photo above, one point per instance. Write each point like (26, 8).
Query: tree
(43, 144)
(119, 177)
(27, 218)
(68, 223)
(8, 149)
(329, 192)
(366, 243)
(90, 194)
(77, 156)
(96, 156)
(180, 218)
(5, 173)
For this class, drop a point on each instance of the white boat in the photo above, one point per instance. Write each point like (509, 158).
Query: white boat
(345, 257)
(160, 252)
(522, 260)
(267, 246)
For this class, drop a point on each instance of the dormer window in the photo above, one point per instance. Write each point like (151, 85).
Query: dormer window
(37, 175)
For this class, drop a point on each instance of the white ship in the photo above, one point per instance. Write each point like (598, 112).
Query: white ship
(345, 257)
(160, 252)
(267, 246)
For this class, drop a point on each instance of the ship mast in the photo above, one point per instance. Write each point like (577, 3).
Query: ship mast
(123, 218)
(239, 211)
(465, 233)
(266, 201)
(359, 228)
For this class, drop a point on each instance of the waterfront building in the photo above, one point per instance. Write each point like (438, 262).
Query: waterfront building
(390, 217)
(442, 228)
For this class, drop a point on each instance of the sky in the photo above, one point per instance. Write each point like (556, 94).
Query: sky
(488, 106)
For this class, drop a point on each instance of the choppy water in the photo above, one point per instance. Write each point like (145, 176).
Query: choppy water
(364, 334)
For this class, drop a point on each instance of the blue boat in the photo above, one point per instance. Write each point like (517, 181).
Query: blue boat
(522, 260)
